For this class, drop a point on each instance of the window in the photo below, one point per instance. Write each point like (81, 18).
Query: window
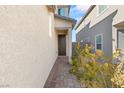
(61, 12)
(102, 8)
(99, 42)
(81, 41)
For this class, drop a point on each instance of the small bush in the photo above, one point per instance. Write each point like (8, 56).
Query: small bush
(96, 69)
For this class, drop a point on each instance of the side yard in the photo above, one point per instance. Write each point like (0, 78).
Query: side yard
(96, 70)
(60, 77)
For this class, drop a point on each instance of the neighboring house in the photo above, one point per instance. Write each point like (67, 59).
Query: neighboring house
(103, 26)
(31, 39)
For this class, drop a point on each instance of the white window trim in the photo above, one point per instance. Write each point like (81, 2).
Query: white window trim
(82, 40)
(101, 42)
(98, 14)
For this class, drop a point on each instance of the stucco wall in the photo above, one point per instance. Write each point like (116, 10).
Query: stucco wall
(28, 45)
(61, 23)
(95, 18)
(104, 27)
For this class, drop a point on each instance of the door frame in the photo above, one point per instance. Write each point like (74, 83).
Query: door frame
(65, 44)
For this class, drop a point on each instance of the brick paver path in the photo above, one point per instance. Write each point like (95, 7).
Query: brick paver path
(60, 77)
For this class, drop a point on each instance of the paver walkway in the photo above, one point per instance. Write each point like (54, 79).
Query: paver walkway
(60, 77)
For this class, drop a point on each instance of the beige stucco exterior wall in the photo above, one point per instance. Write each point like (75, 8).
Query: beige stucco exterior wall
(94, 18)
(60, 23)
(28, 45)
(70, 44)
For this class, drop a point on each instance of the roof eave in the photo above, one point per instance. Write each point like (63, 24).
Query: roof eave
(66, 18)
(82, 19)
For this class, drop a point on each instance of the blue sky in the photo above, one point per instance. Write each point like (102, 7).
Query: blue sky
(77, 12)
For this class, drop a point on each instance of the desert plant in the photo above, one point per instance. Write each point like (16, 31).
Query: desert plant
(93, 69)
(118, 78)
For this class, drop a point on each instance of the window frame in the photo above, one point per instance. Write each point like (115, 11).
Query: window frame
(60, 11)
(98, 14)
(82, 40)
(101, 41)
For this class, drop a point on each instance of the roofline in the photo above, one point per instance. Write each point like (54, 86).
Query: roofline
(65, 18)
(73, 21)
(87, 13)
(50, 6)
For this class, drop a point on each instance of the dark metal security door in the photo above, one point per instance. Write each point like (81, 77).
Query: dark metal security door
(62, 45)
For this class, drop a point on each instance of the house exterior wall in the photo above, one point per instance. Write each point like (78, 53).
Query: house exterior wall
(67, 26)
(70, 45)
(121, 39)
(105, 28)
(59, 23)
(102, 24)
(28, 45)
(95, 18)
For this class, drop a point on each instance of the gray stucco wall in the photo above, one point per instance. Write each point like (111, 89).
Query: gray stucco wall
(104, 27)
